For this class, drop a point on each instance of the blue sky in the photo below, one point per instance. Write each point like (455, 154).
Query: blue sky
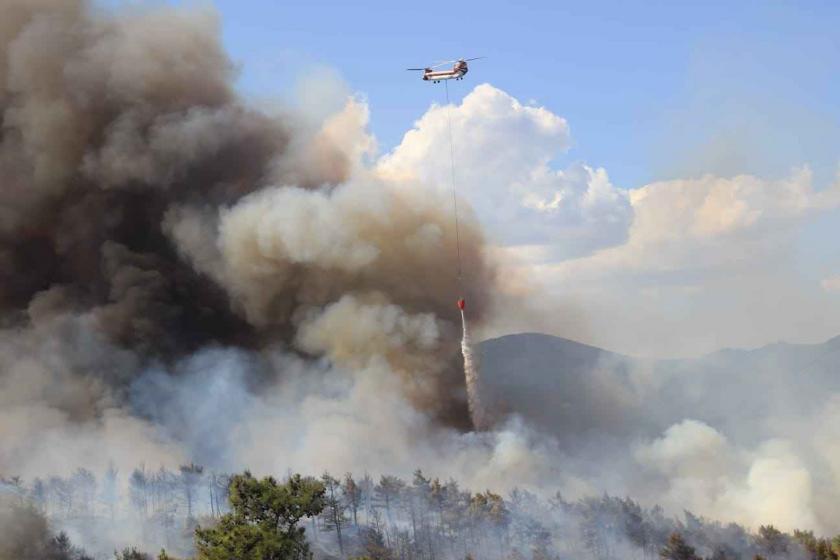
(651, 90)
(717, 102)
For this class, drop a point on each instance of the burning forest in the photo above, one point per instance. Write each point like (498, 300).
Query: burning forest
(196, 286)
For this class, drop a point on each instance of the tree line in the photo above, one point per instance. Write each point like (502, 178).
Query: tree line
(191, 512)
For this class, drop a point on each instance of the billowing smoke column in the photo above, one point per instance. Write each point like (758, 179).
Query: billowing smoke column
(147, 213)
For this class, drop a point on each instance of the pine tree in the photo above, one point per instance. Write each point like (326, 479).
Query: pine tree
(771, 541)
(138, 485)
(264, 521)
(352, 496)
(109, 493)
(190, 478)
(373, 543)
(83, 487)
(677, 549)
(131, 554)
(38, 495)
(334, 518)
(387, 493)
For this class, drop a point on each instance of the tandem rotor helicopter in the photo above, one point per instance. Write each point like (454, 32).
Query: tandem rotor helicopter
(459, 68)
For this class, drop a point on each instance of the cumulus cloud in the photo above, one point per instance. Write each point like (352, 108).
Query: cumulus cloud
(702, 258)
(695, 223)
(503, 153)
(679, 266)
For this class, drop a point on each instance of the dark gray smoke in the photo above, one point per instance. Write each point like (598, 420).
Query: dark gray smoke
(109, 123)
(147, 213)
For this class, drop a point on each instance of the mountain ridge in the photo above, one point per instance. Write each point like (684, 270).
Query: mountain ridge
(578, 391)
(832, 342)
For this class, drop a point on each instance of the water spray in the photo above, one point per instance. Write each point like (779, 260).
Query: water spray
(471, 374)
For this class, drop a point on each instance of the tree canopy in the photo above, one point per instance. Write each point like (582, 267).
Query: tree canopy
(264, 520)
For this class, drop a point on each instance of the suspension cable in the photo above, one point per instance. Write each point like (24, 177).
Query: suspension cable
(454, 187)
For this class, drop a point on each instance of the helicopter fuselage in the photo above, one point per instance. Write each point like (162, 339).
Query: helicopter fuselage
(456, 73)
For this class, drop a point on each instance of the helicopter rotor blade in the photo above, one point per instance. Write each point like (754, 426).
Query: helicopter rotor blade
(445, 62)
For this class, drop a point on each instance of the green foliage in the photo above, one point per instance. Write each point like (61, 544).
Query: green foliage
(353, 494)
(131, 554)
(489, 508)
(819, 549)
(334, 518)
(677, 549)
(422, 519)
(771, 540)
(264, 522)
(374, 546)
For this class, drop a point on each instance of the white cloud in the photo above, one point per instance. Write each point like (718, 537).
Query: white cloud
(503, 152)
(709, 262)
(675, 267)
(712, 221)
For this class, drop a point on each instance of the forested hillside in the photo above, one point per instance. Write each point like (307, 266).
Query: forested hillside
(388, 518)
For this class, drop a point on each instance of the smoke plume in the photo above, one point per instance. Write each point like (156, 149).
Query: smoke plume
(149, 213)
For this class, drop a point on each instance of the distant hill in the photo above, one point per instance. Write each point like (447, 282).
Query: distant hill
(576, 391)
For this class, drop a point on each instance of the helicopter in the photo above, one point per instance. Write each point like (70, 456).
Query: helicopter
(459, 68)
